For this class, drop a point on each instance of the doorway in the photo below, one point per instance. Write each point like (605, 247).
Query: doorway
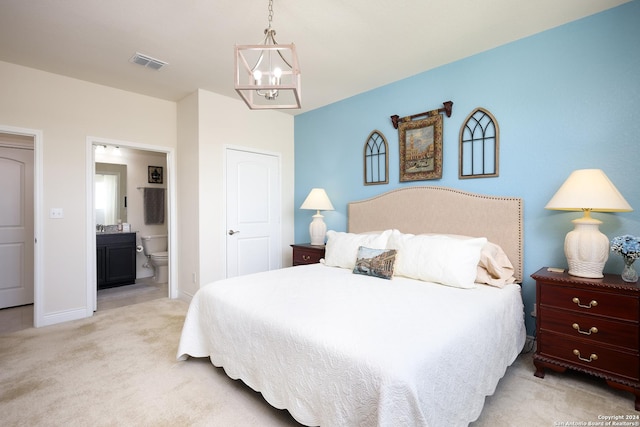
(32, 211)
(137, 158)
(16, 220)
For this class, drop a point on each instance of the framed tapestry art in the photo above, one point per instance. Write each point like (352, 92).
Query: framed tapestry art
(420, 149)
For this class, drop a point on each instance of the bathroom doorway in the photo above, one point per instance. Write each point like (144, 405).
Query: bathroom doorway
(134, 162)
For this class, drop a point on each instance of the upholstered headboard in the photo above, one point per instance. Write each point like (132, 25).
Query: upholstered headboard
(445, 211)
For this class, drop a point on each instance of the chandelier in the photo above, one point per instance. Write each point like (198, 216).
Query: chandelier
(267, 75)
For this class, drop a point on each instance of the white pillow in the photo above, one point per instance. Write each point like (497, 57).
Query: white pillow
(342, 248)
(437, 258)
(494, 267)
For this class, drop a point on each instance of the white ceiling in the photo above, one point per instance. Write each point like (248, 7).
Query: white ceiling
(345, 47)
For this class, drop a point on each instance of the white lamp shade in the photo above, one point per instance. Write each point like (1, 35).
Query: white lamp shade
(317, 200)
(588, 189)
(585, 247)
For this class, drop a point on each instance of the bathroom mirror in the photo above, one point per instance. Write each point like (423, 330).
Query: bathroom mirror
(110, 193)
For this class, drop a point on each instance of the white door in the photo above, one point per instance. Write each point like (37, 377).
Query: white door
(253, 212)
(16, 226)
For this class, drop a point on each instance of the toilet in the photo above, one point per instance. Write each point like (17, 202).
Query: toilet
(155, 249)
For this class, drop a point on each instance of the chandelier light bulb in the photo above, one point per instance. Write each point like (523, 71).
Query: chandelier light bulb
(277, 73)
(257, 76)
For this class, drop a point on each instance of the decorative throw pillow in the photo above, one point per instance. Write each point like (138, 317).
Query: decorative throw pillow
(375, 262)
(342, 248)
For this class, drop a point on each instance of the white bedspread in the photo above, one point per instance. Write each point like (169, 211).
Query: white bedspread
(340, 349)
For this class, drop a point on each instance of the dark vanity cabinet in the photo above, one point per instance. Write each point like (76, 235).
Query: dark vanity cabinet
(116, 259)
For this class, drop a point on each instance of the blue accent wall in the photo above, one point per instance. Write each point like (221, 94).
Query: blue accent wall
(565, 99)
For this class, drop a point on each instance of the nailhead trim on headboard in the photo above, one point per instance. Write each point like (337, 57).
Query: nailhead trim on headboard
(430, 209)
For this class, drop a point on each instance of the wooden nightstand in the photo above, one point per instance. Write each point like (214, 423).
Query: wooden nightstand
(307, 254)
(589, 325)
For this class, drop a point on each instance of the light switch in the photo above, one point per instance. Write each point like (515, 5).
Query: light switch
(56, 213)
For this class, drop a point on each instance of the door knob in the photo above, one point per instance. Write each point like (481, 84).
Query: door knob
(232, 232)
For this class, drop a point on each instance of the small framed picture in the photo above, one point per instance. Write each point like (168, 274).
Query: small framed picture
(155, 174)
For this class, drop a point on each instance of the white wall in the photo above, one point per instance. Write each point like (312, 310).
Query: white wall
(188, 197)
(67, 111)
(224, 122)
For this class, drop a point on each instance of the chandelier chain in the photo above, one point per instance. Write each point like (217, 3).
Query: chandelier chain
(270, 12)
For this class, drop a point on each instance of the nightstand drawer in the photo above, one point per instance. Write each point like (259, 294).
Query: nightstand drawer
(590, 356)
(591, 328)
(307, 254)
(590, 302)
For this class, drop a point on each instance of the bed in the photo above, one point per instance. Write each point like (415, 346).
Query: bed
(336, 348)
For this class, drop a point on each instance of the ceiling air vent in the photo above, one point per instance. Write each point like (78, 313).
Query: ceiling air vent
(147, 61)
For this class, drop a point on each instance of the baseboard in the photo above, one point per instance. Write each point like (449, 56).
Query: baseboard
(185, 296)
(63, 316)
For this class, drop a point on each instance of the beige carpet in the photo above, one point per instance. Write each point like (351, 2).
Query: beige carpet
(118, 368)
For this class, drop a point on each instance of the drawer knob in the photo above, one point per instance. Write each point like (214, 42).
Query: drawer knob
(593, 303)
(593, 329)
(589, 360)
(306, 257)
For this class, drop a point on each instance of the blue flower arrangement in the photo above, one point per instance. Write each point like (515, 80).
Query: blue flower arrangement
(628, 246)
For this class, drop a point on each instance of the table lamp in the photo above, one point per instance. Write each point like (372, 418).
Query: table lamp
(585, 247)
(319, 201)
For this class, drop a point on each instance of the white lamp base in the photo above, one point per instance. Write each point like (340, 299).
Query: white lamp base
(317, 229)
(586, 248)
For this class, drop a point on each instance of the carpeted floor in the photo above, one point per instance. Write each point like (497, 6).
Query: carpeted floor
(119, 368)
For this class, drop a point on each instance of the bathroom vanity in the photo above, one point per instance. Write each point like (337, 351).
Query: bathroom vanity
(116, 259)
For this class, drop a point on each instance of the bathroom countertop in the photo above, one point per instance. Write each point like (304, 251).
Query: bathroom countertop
(102, 233)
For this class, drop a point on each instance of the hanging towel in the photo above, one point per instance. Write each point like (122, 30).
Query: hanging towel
(153, 205)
